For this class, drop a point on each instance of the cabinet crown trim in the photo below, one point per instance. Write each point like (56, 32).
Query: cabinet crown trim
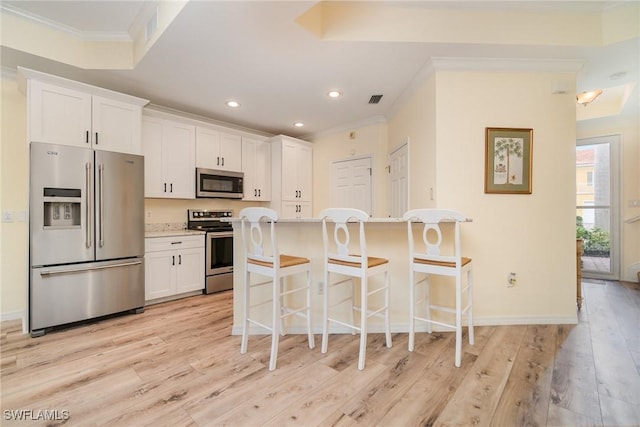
(25, 74)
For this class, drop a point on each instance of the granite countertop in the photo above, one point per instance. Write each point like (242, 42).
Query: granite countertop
(169, 229)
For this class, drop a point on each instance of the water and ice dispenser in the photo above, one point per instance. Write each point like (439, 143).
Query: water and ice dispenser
(62, 208)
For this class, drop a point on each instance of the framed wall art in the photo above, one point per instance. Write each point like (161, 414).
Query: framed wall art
(508, 160)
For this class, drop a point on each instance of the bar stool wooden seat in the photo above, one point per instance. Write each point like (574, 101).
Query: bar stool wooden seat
(432, 261)
(338, 260)
(263, 258)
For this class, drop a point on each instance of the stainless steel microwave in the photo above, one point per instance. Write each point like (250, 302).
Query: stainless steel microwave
(219, 184)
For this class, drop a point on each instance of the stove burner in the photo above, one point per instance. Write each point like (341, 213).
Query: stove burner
(208, 220)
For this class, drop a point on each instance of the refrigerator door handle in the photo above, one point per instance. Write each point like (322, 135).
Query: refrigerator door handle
(89, 204)
(101, 195)
(77, 270)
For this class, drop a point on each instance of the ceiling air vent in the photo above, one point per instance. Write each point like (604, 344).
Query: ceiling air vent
(375, 99)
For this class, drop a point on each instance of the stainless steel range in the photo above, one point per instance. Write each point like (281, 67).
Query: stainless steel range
(219, 247)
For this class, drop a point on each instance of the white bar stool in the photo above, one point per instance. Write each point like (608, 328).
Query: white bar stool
(432, 261)
(276, 266)
(338, 260)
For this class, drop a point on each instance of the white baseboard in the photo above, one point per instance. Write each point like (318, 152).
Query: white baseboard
(15, 315)
(631, 275)
(404, 327)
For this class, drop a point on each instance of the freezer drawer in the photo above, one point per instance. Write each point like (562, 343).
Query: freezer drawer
(77, 292)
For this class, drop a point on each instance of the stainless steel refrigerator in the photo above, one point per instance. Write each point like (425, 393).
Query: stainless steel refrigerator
(86, 234)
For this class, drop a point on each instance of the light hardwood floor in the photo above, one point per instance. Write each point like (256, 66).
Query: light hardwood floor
(177, 365)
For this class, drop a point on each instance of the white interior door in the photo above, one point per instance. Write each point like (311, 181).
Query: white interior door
(351, 184)
(399, 180)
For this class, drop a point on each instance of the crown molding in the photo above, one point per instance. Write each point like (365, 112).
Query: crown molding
(369, 121)
(543, 65)
(8, 72)
(436, 64)
(92, 36)
(160, 111)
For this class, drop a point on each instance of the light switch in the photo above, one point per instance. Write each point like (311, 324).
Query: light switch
(7, 216)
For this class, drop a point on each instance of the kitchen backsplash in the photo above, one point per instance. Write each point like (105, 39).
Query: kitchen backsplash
(160, 212)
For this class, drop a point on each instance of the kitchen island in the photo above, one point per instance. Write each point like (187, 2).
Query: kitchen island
(386, 237)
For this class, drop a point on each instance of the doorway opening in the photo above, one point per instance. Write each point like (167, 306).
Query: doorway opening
(597, 196)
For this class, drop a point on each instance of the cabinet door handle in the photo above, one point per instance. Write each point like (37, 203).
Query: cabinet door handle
(180, 259)
(176, 243)
(165, 187)
(171, 187)
(255, 192)
(96, 138)
(173, 260)
(223, 161)
(87, 137)
(259, 192)
(218, 161)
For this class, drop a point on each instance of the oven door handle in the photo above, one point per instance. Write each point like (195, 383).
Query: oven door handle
(217, 234)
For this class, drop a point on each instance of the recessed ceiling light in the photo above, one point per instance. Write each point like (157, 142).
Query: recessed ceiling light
(298, 124)
(334, 94)
(233, 104)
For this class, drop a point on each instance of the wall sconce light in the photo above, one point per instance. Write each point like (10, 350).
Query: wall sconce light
(585, 98)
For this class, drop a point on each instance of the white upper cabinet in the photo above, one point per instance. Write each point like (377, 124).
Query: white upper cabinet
(58, 115)
(115, 125)
(292, 172)
(218, 150)
(256, 165)
(61, 111)
(296, 171)
(169, 158)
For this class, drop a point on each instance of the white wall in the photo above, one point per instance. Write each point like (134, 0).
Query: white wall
(531, 235)
(368, 140)
(13, 198)
(416, 122)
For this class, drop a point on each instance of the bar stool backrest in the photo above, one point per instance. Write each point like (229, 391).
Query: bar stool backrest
(253, 220)
(431, 218)
(338, 247)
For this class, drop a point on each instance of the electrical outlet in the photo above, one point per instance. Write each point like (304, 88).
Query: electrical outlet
(320, 287)
(512, 279)
(148, 214)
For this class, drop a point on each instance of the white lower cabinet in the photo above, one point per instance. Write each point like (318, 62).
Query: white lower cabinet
(173, 265)
(296, 210)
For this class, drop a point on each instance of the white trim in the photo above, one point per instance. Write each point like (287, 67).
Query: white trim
(615, 159)
(507, 64)
(632, 272)
(12, 315)
(9, 73)
(399, 328)
(436, 64)
(159, 111)
(94, 36)
(347, 126)
(25, 74)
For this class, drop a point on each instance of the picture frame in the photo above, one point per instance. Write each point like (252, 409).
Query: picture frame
(508, 160)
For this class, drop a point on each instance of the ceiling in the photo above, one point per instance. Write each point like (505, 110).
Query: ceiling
(256, 53)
